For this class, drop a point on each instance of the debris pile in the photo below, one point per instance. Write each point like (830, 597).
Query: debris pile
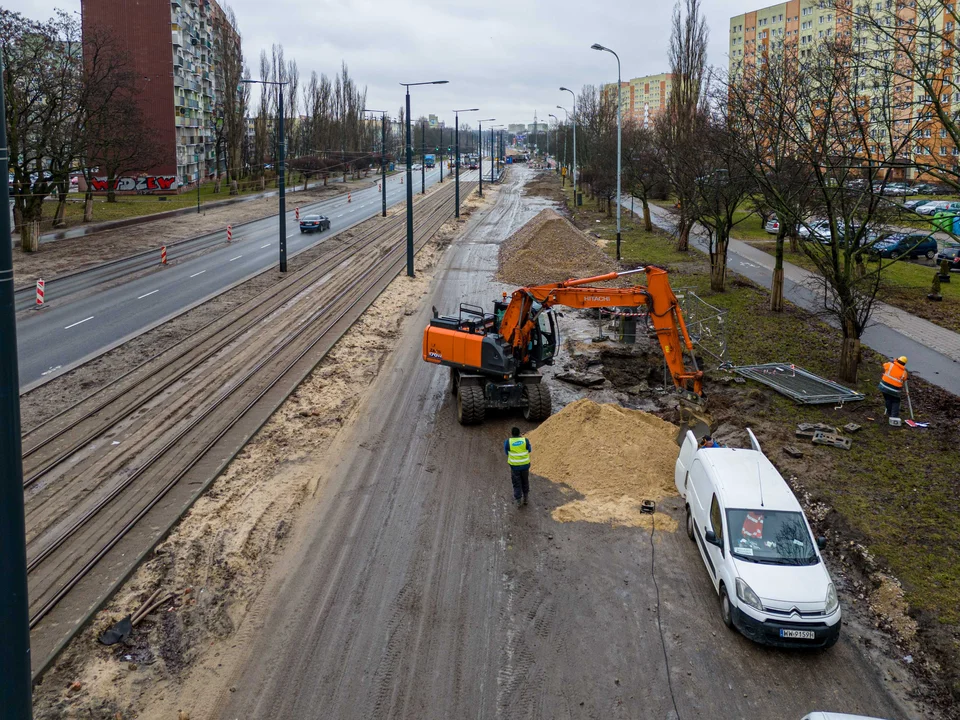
(617, 459)
(549, 248)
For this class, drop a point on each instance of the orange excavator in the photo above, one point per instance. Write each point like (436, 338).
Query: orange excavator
(494, 359)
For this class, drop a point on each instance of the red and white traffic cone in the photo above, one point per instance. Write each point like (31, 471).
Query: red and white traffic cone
(163, 255)
(39, 294)
(229, 233)
(349, 198)
(298, 214)
(378, 187)
(401, 179)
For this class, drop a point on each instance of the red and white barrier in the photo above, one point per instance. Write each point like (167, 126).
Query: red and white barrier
(229, 233)
(298, 214)
(349, 198)
(378, 187)
(40, 284)
(163, 255)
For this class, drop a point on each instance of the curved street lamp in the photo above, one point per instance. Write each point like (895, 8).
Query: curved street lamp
(480, 149)
(574, 116)
(598, 46)
(456, 123)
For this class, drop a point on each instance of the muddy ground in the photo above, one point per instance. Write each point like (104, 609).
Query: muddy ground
(216, 560)
(59, 257)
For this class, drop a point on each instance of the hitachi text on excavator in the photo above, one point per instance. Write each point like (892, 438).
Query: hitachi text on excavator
(494, 359)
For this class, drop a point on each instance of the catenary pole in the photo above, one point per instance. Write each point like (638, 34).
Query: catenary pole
(15, 684)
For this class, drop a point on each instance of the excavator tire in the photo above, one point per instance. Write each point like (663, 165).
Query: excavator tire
(538, 402)
(471, 405)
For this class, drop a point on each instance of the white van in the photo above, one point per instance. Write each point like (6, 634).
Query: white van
(757, 545)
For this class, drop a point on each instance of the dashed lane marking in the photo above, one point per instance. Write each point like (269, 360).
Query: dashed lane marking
(80, 322)
(149, 294)
(265, 246)
(236, 258)
(199, 273)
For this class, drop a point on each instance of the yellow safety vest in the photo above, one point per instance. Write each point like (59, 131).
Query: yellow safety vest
(518, 454)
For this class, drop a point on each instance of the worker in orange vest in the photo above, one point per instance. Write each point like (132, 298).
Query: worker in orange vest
(894, 376)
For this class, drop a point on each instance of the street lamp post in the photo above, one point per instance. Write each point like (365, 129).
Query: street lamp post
(480, 149)
(423, 157)
(493, 152)
(598, 46)
(456, 135)
(383, 155)
(410, 175)
(440, 150)
(574, 114)
(566, 116)
(556, 139)
(15, 683)
(281, 148)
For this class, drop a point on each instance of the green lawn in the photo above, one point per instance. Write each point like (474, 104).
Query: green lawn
(896, 491)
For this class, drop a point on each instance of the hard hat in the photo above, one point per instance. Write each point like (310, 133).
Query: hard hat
(902, 359)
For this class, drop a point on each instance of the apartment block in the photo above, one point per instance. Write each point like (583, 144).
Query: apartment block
(642, 98)
(174, 45)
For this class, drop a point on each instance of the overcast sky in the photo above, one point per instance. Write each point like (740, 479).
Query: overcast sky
(506, 57)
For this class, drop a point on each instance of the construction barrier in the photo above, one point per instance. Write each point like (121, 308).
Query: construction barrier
(378, 187)
(39, 294)
(163, 255)
(229, 233)
(298, 214)
(349, 198)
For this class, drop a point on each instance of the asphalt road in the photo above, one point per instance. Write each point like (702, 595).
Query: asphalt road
(69, 332)
(415, 590)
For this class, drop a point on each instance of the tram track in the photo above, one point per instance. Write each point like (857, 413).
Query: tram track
(107, 477)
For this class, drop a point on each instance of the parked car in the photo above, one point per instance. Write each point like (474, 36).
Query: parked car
(933, 189)
(908, 245)
(913, 204)
(818, 230)
(951, 253)
(935, 206)
(772, 225)
(313, 223)
(757, 546)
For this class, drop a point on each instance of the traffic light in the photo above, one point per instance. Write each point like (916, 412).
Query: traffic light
(437, 149)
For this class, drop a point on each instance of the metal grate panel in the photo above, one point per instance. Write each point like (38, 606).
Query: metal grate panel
(798, 384)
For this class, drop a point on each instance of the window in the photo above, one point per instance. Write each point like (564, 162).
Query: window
(943, 150)
(716, 520)
(943, 133)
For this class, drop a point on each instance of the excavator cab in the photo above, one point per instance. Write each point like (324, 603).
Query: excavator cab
(545, 341)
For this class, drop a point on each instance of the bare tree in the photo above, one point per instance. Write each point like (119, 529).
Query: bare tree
(642, 161)
(685, 108)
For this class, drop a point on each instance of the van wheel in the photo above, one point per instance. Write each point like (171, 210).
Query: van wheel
(726, 612)
(690, 530)
(929, 255)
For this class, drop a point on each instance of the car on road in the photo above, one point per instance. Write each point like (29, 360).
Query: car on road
(905, 245)
(951, 253)
(416, 166)
(473, 166)
(935, 206)
(757, 546)
(772, 225)
(314, 223)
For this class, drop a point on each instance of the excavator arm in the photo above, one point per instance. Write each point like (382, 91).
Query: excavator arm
(519, 319)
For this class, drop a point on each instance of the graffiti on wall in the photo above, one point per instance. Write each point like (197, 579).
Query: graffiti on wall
(142, 184)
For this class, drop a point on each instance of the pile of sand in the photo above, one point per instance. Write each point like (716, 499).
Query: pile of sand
(612, 456)
(549, 248)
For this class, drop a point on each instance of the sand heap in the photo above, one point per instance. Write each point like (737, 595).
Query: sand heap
(549, 248)
(612, 456)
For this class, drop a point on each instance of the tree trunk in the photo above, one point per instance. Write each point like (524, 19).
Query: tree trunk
(111, 195)
(647, 220)
(306, 181)
(234, 189)
(216, 187)
(776, 289)
(30, 236)
(88, 207)
(794, 241)
(718, 267)
(849, 359)
(58, 221)
(263, 182)
(683, 235)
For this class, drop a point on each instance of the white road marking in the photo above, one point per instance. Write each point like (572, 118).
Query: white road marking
(149, 294)
(78, 323)
(199, 273)
(264, 246)
(236, 258)
(53, 369)
(340, 215)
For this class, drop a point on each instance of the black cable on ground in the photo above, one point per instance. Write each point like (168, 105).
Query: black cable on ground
(663, 645)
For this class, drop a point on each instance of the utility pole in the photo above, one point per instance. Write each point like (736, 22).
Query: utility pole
(383, 155)
(456, 133)
(15, 683)
(440, 151)
(423, 157)
(480, 149)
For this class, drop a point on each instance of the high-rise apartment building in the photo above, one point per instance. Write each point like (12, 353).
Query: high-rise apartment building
(175, 47)
(642, 98)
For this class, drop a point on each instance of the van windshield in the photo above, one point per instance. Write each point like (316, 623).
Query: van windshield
(770, 537)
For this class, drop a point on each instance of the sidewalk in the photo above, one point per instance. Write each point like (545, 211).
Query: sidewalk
(934, 351)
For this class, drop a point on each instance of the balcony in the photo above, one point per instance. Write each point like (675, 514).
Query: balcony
(177, 38)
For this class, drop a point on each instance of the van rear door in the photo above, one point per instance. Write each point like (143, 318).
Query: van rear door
(688, 451)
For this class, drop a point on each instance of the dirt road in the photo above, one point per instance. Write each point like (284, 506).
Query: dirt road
(415, 590)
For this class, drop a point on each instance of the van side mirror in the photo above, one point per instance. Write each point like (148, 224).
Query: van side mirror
(711, 537)
(821, 542)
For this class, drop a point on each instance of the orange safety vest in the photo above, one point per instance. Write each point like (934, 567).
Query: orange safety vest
(893, 374)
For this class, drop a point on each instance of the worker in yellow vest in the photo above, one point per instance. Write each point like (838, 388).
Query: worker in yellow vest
(894, 376)
(517, 449)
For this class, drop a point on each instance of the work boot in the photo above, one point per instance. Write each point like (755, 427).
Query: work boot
(518, 501)
(524, 499)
